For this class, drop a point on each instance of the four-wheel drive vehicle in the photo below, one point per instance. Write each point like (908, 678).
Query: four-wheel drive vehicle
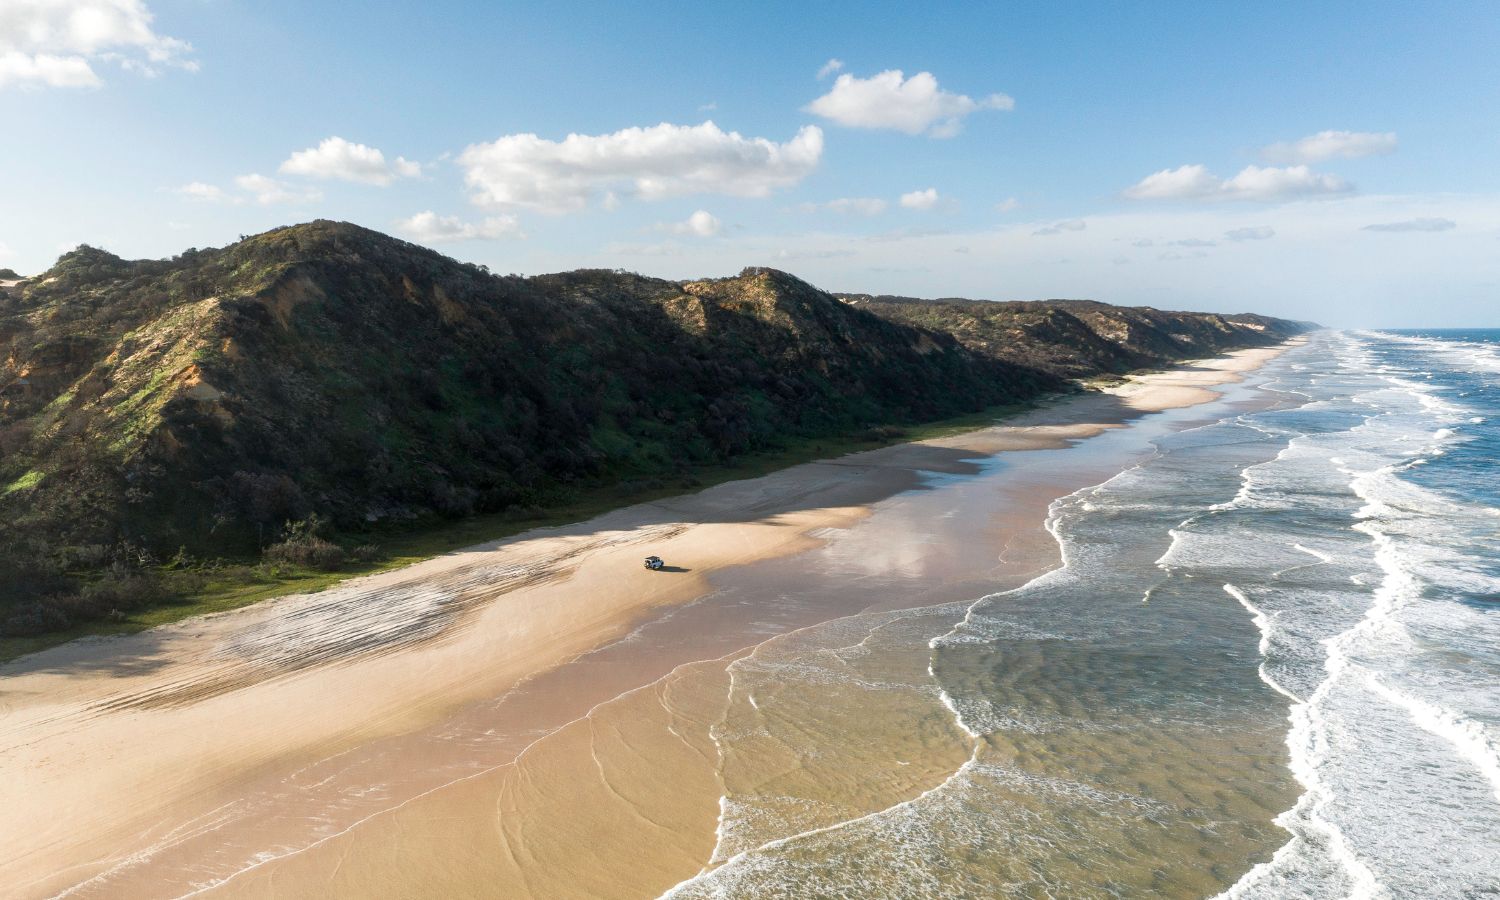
(654, 562)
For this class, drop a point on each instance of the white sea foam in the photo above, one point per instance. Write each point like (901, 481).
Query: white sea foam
(1409, 530)
(1263, 624)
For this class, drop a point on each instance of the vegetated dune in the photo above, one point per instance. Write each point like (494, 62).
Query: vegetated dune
(194, 406)
(1080, 338)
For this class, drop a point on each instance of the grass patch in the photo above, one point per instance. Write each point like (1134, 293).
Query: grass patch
(30, 480)
(232, 586)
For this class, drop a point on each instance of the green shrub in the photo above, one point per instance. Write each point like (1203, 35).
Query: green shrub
(302, 546)
(365, 553)
(33, 620)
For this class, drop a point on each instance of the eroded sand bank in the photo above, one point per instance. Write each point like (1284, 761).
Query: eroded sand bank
(534, 716)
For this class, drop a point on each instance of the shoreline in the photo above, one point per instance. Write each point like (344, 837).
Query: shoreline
(237, 703)
(418, 545)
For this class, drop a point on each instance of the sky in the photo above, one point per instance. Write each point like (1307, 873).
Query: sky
(1335, 161)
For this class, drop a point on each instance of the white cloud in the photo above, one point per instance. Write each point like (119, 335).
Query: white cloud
(912, 105)
(1326, 145)
(197, 190)
(268, 191)
(337, 158)
(833, 65)
(700, 224)
(1250, 233)
(1194, 242)
(920, 199)
(851, 206)
(46, 69)
(661, 161)
(250, 189)
(1252, 183)
(430, 228)
(1256, 183)
(1009, 204)
(1060, 227)
(1422, 224)
(1183, 181)
(55, 43)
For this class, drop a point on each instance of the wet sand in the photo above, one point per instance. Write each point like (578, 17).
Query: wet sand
(532, 717)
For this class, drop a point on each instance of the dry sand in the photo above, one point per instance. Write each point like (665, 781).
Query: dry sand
(485, 723)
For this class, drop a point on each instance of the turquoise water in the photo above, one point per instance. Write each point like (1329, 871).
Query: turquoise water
(1269, 667)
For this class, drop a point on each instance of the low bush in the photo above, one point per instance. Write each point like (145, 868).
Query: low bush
(365, 553)
(311, 551)
(301, 545)
(31, 621)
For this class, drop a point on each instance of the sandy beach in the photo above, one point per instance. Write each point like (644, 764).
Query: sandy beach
(531, 717)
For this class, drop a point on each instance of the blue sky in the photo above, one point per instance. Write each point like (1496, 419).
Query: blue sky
(1209, 156)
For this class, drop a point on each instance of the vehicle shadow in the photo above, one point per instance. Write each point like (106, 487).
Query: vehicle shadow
(674, 569)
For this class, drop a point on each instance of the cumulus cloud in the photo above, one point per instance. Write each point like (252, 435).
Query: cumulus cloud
(1414, 225)
(1250, 233)
(912, 105)
(920, 199)
(833, 65)
(430, 228)
(1009, 204)
(269, 191)
(251, 188)
(1327, 145)
(197, 190)
(56, 43)
(337, 158)
(1252, 183)
(700, 224)
(45, 69)
(661, 161)
(850, 206)
(1060, 227)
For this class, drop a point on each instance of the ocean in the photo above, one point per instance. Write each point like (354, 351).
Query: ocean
(1268, 667)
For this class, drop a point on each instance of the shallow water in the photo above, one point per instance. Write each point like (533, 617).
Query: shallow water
(1268, 667)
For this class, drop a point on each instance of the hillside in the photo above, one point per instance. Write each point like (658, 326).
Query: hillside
(1080, 338)
(324, 374)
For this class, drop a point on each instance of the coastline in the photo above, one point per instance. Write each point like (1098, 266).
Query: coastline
(258, 701)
